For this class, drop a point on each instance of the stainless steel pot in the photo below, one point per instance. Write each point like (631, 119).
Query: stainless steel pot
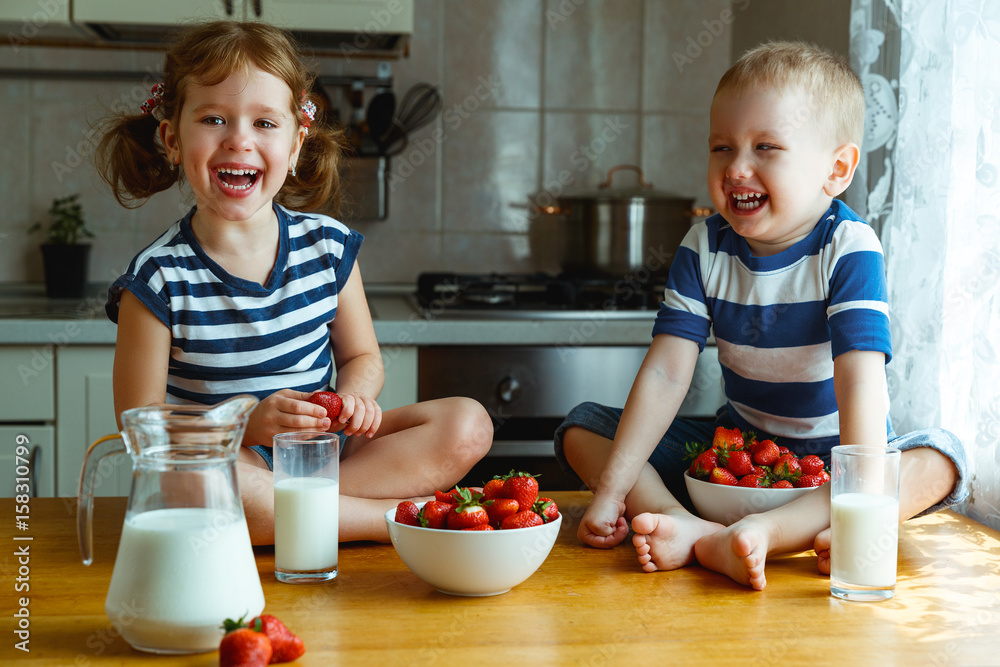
(621, 230)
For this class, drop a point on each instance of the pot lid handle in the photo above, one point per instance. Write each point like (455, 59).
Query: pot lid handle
(642, 181)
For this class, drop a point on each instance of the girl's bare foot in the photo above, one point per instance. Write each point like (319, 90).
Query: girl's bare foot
(666, 541)
(822, 547)
(738, 552)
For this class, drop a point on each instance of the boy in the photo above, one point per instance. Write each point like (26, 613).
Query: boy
(792, 283)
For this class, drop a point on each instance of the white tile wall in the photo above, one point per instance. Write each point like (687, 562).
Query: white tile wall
(528, 84)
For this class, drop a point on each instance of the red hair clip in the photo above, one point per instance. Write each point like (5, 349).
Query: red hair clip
(153, 102)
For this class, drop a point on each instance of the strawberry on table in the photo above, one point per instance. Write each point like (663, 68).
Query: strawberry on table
(522, 487)
(468, 512)
(525, 519)
(408, 513)
(328, 400)
(285, 645)
(434, 514)
(243, 646)
(499, 509)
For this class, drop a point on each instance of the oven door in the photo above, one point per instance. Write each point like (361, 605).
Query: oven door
(528, 390)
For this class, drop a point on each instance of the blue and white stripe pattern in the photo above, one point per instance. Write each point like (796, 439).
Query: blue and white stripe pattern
(780, 321)
(231, 336)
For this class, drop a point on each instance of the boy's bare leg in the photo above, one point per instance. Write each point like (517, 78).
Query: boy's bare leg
(418, 448)
(926, 477)
(665, 531)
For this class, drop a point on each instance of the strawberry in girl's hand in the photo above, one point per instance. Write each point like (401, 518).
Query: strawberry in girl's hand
(499, 509)
(525, 519)
(522, 487)
(468, 513)
(434, 514)
(408, 513)
(243, 646)
(328, 400)
(285, 645)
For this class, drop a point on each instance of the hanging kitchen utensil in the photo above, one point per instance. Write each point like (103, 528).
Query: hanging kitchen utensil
(381, 111)
(420, 105)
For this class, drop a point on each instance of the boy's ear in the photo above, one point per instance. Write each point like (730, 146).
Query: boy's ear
(845, 161)
(169, 139)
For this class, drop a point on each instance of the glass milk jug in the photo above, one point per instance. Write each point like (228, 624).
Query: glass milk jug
(184, 562)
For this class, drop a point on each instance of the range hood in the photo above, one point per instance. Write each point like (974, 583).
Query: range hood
(348, 28)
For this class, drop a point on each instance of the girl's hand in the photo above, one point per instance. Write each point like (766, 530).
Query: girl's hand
(603, 525)
(360, 415)
(284, 411)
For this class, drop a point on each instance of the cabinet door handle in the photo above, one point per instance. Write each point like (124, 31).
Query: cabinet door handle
(32, 467)
(256, 8)
(228, 4)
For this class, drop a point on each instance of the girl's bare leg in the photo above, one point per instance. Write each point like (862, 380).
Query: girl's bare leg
(665, 532)
(418, 448)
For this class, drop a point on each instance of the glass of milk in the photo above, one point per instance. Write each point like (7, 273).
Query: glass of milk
(306, 503)
(864, 521)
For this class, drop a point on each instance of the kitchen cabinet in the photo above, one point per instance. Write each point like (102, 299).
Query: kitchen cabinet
(27, 411)
(85, 411)
(41, 459)
(24, 21)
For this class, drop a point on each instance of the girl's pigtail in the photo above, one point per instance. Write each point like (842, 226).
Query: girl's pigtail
(131, 161)
(316, 186)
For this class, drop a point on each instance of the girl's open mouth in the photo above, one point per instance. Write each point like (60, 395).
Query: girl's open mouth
(236, 180)
(747, 202)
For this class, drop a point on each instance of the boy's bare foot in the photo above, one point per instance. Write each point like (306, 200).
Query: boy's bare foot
(666, 541)
(822, 547)
(738, 551)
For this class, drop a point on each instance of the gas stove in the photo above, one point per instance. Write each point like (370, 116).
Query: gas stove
(536, 295)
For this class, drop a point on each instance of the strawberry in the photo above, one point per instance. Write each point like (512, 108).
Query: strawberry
(243, 646)
(451, 497)
(787, 467)
(493, 488)
(546, 508)
(499, 509)
(702, 466)
(824, 476)
(783, 450)
(522, 487)
(482, 526)
(761, 471)
(722, 476)
(434, 514)
(727, 439)
(811, 464)
(285, 645)
(524, 519)
(408, 513)
(808, 480)
(328, 400)
(468, 513)
(766, 453)
(752, 481)
(782, 484)
(737, 462)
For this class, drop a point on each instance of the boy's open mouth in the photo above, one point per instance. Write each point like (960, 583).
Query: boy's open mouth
(746, 202)
(237, 179)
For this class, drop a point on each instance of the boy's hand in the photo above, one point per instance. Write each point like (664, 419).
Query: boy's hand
(603, 525)
(360, 415)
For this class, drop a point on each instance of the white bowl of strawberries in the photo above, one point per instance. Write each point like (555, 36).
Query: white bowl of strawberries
(736, 475)
(474, 544)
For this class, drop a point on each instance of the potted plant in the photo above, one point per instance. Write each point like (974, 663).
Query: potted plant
(64, 257)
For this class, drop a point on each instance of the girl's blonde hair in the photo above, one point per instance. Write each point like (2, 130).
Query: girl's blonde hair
(837, 97)
(132, 160)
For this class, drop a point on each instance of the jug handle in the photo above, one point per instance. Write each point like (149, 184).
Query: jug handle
(106, 446)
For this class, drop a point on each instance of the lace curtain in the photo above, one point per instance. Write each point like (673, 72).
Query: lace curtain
(929, 184)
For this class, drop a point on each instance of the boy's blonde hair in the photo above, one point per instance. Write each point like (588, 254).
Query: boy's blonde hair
(131, 159)
(834, 88)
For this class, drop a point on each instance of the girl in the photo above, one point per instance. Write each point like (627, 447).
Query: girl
(244, 295)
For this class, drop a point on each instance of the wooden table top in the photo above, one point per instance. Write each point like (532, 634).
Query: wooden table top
(583, 606)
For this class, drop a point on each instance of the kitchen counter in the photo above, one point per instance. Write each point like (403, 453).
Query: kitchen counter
(583, 606)
(27, 317)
